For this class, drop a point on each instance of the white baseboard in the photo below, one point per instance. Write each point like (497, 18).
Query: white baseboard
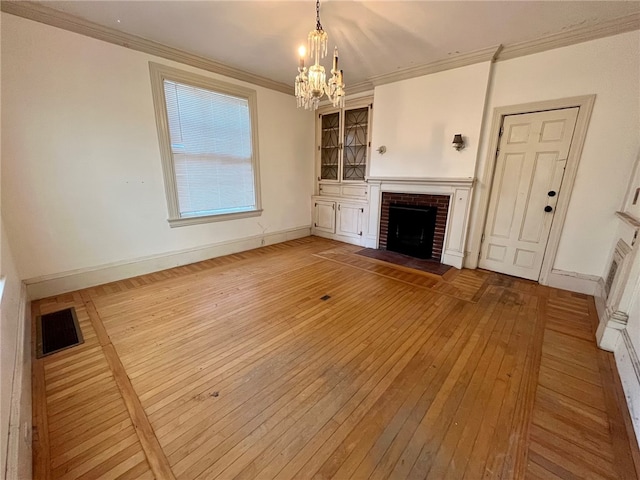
(454, 259)
(48, 285)
(574, 282)
(20, 420)
(601, 301)
(629, 371)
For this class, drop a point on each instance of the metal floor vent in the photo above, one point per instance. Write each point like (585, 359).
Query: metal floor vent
(57, 331)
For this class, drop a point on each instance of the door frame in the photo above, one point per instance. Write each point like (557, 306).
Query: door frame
(585, 104)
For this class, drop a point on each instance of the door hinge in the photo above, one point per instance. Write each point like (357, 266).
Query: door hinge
(333, 206)
(315, 224)
(362, 210)
(482, 238)
(316, 204)
(360, 234)
(369, 144)
(501, 131)
(338, 207)
(318, 147)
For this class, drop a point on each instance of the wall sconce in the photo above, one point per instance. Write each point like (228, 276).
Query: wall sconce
(458, 141)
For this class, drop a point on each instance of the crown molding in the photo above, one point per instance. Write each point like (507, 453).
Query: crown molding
(55, 18)
(484, 55)
(360, 87)
(607, 28)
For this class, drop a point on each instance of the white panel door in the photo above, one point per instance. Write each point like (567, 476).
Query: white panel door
(531, 158)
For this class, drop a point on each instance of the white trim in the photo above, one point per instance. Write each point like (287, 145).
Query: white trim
(20, 417)
(448, 181)
(574, 282)
(484, 55)
(585, 104)
(607, 28)
(455, 233)
(601, 302)
(159, 73)
(48, 285)
(629, 371)
(55, 18)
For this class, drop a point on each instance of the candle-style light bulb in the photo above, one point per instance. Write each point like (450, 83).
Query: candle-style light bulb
(335, 59)
(302, 51)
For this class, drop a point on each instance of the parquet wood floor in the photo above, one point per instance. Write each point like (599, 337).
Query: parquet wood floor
(237, 368)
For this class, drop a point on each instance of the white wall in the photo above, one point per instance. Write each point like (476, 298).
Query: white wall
(416, 120)
(610, 68)
(82, 181)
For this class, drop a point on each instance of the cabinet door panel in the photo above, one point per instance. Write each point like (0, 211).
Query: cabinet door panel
(325, 216)
(355, 151)
(349, 219)
(330, 146)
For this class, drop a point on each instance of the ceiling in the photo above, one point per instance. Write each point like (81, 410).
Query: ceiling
(373, 37)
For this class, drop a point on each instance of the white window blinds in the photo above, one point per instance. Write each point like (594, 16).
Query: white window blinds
(211, 146)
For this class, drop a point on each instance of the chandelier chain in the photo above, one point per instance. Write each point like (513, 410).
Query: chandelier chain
(318, 24)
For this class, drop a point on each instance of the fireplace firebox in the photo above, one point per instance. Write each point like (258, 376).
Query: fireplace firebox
(411, 230)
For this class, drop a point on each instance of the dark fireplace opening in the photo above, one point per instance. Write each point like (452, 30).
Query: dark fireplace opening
(411, 230)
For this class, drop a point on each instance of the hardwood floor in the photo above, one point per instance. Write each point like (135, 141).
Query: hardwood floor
(237, 368)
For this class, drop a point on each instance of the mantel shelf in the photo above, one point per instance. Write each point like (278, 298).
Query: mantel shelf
(629, 219)
(451, 181)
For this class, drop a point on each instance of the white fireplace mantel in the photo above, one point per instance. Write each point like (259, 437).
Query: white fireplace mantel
(459, 191)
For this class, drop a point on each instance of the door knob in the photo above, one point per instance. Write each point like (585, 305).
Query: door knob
(548, 208)
(551, 193)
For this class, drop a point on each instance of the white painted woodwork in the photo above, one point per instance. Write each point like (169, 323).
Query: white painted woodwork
(327, 185)
(457, 30)
(340, 219)
(455, 235)
(349, 219)
(532, 155)
(324, 216)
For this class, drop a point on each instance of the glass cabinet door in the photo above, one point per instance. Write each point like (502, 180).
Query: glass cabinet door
(330, 146)
(354, 155)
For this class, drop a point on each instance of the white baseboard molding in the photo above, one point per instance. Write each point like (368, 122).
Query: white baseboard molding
(46, 286)
(629, 371)
(601, 301)
(574, 282)
(20, 419)
(453, 259)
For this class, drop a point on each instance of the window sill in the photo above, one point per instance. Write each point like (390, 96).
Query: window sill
(183, 222)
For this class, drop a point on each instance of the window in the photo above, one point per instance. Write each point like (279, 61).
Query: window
(208, 143)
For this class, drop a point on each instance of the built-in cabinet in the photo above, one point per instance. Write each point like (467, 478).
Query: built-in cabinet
(343, 144)
(339, 219)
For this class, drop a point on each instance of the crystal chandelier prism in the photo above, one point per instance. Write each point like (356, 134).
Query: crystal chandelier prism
(311, 84)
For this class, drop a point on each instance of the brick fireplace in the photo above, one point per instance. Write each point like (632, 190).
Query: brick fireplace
(451, 196)
(440, 202)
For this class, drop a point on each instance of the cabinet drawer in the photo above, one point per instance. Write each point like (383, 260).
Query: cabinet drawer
(354, 191)
(328, 189)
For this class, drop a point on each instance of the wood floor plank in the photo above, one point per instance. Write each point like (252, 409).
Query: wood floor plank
(236, 367)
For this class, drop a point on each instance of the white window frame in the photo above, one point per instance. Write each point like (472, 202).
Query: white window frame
(160, 73)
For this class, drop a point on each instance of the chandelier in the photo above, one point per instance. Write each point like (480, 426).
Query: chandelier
(311, 84)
